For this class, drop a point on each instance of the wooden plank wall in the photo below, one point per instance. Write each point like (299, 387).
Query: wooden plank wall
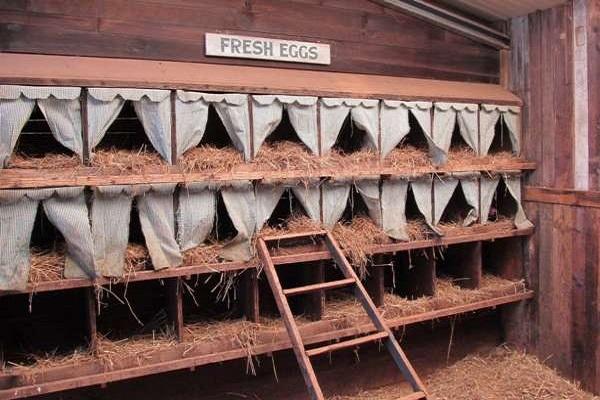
(563, 256)
(365, 37)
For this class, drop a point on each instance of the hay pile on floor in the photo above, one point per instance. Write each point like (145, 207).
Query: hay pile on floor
(500, 374)
(356, 237)
(407, 157)
(45, 161)
(287, 156)
(211, 159)
(46, 265)
(448, 294)
(127, 161)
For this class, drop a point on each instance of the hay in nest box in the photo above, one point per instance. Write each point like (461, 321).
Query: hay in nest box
(286, 155)
(46, 265)
(460, 157)
(211, 159)
(350, 161)
(356, 237)
(296, 223)
(497, 374)
(448, 294)
(407, 157)
(203, 254)
(137, 258)
(456, 228)
(47, 161)
(127, 161)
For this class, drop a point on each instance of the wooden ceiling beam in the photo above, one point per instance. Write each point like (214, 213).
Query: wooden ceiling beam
(451, 21)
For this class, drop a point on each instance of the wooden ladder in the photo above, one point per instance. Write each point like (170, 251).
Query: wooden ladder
(303, 355)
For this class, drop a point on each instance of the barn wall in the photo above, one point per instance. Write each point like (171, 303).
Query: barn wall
(563, 254)
(365, 37)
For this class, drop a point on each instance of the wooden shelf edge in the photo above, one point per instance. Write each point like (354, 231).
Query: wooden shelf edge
(567, 197)
(305, 256)
(267, 347)
(85, 176)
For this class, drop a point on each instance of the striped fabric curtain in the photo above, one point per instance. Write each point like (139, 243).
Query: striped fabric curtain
(445, 118)
(60, 106)
(395, 124)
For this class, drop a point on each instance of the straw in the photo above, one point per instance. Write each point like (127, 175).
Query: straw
(211, 159)
(127, 161)
(45, 161)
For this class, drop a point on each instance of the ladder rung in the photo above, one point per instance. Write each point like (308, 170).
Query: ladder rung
(294, 235)
(347, 343)
(414, 396)
(318, 286)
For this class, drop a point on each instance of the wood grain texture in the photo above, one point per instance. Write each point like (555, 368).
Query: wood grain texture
(365, 37)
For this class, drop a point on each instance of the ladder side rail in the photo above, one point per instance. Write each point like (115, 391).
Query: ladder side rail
(304, 363)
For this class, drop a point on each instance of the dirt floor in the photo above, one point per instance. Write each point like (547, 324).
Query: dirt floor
(500, 374)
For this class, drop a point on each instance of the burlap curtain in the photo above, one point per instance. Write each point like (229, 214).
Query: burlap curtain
(110, 225)
(240, 202)
(364, 113)
(445, 186)
(152, 107)
(196, 213)
(489, 186)
(67, 211)
(489, 116)
(267, 112)
(60, 106)
(445, 117)
(395, 124)
(192, 114)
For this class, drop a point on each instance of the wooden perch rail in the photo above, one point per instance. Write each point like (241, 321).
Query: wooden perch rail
(88, 176)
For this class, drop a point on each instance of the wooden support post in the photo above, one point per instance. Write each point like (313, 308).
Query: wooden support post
(85, 139)
(91, 315)
(463, 262)
(375, 281)
(173, 128)
(315, 305)
(415, 273)
(175, 305)
(251, 299)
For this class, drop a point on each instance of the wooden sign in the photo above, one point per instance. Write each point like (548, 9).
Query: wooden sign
(236, 46)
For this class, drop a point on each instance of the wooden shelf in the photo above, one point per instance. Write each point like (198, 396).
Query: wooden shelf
(88, 176)
(181, 356)
(303, 254)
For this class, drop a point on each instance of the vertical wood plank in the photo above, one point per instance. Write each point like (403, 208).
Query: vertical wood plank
(175, 305)
(251, 300)
(315, 273)
(375, 281)
(91, 318)
(173, 99)
(85, 140)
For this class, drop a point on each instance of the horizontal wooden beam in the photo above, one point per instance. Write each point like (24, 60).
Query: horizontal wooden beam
(307, 254)
(451, 21)
(88, 176)
(313, 333)
(31, 69)
(567, 197)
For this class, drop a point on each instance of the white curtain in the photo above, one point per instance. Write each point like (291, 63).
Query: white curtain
(309, 196)
(196, 214)
(152, 107)
(513, 184)
(111, 212)
(267, 112)
(240, 203)
(394, 193)
(191, 112)
(364, 113)
(267, 197)
(17, 217)
(335, 199)
(157, 219)
(233, 111)
(422, 191)
(488, 186)
(446, 115)
(67, 211)
(489, 116)
(445, 187)
(394, 116)
(368, 188)
(60, 106)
